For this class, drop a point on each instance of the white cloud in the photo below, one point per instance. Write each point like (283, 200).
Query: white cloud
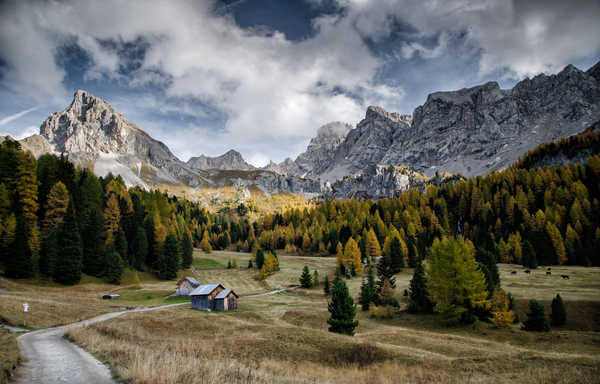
(15, 116)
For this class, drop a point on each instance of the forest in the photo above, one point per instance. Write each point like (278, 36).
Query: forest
(61, 221)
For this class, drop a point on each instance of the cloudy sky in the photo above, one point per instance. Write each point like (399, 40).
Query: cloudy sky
(260, 76)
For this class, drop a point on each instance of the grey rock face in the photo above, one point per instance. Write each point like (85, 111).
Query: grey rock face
(230, 160)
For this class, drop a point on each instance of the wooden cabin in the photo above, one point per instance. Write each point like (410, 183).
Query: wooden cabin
(226, 300)
(186, 285)
(203, 297)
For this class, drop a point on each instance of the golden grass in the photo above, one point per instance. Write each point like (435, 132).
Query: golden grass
(9, 355)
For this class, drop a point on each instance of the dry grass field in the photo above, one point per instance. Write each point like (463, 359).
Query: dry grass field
(283, 338)
(9, 354)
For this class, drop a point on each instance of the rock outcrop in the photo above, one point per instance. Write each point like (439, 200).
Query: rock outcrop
(230, 160)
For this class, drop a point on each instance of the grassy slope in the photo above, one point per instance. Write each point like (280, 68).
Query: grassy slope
(283, 338)
(9, 354)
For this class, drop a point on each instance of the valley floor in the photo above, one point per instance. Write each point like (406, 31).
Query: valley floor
(283, 337)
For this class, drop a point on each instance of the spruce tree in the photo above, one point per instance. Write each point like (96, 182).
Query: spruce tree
(536, 318)
(385, 272)
(305, 279)
(326, 288)
(20, 260)
(260, 258)
(170, 259)
(368, 290)
(342, 309)
(559, 312)
(94, 250)
(70, 254)
(396, 254)
(114, 267)
(187, 251)
(140, 248)
(48, 254)
(250, 266)
(121, 246)
(529, 256)
(417, 291)
(316, 281)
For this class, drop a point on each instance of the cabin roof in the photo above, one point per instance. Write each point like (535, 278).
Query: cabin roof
(224, 293)
(205, 289)
(190, 279)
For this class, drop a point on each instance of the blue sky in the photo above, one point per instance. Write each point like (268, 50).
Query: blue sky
(261, 76)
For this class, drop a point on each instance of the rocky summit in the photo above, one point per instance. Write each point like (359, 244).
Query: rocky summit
(231, 160)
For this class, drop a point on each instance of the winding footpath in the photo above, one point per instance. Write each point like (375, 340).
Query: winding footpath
(52, 359)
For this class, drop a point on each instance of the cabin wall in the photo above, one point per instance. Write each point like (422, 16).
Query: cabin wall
(184, 289)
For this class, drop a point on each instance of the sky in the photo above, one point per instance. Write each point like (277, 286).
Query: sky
(261, 76)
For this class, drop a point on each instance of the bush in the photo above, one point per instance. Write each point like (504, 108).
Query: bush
(382, 312)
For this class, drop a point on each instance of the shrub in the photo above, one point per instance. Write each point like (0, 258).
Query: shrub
(382, 311)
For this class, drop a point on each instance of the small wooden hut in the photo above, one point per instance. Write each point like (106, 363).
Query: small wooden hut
(186, 285)
(203, 297)
(226, 300)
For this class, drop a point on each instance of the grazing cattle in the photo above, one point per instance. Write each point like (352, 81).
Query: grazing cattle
(565, 277)
(513, 273)
(549, 269)
(527, 271)
(548, 273)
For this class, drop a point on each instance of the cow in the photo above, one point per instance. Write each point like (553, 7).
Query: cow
(549, 269)
(527, 271)
(565, 277)
(548, 273)
(513, 273)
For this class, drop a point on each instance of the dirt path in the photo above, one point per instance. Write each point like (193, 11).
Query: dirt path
(273, 292)
(51, 359)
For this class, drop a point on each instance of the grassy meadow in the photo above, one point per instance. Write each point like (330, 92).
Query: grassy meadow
(283, 338)
(9, 354)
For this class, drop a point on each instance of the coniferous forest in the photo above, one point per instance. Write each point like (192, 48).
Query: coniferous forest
(60, 222)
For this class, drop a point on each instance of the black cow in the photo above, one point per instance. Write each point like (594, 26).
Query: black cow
(513, 273)
(548, 273)
(565, 277)
(527, 271)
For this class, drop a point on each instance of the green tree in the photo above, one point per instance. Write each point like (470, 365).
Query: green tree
(114, 268)
(170, 259)
(70, 253)
(529, 256)
(121, 246)
(20, 261)
(93, 243)
(48, 254)
(417, 292)
(342, 309)
(305, 279)
(396, 255)
(368, 290)
(260, 258)
(326, 287)
(139, 248)
(559, 312)
(316, 281)
(385, 272)
(455, 283)
(536, 318)
(187, 251)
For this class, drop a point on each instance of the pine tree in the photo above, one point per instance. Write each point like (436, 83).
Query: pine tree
(70, 254)
(455, 283)
(169, 260)
(250, 266)
(558, 245)
(48, 254)
(373, 249)
(559, 312)
(339, 258)
(352, 257)
(20, 261)
(305, 279)
(205, 243)
(387, 295)
(187, 251)
(260, 258)
(316, 281)
(529, 256)
(121, 246)
(396, 255)
(27, 189)
(385, 272)
(326, 287)
(342, 309)
(114, 268)
(94, 250)
(140, 248)
(112, 217)
(536, 318)
(417, 291)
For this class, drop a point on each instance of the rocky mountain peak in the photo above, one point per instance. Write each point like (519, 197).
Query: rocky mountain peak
(374, 113)
(230, 160)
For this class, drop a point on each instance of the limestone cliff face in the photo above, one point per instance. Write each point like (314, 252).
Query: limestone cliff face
(230, 160)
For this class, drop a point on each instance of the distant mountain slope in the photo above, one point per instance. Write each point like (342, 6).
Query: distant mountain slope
(574, 149)
(471, 131)
(231, 160)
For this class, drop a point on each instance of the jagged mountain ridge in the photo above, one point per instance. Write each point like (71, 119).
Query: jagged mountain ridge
(230, 160)
(471, 131)
(94, 135)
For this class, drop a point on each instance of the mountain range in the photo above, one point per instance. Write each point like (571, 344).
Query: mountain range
(471, 131)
